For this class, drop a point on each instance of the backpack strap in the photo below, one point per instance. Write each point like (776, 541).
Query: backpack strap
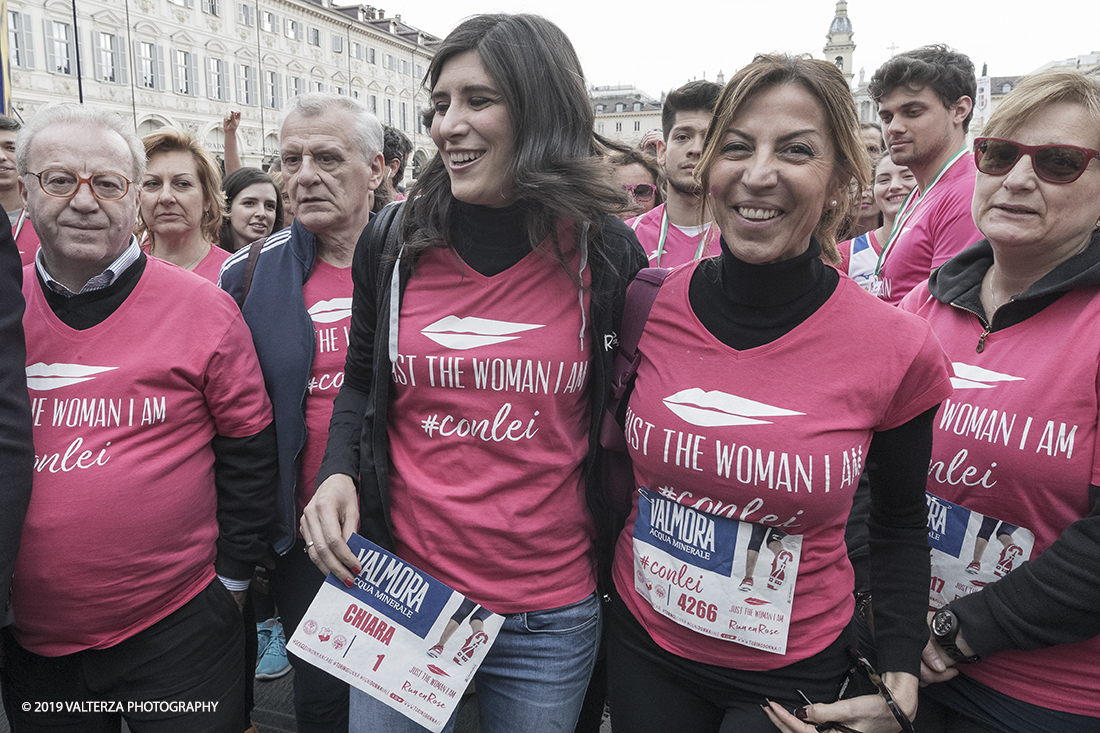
(254, 250)
(617, 474)
(640, 296)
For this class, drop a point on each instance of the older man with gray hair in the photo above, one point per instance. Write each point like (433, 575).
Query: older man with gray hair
(153, 473)
(295, 292)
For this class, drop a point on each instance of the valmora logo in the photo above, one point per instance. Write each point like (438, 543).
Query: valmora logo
(968, 376)
(330, 311)
(460, 334)
(43, 377)
(717, 409)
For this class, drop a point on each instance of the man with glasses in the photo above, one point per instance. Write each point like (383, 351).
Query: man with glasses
(926, 100)
(675, 232)
(154, 462)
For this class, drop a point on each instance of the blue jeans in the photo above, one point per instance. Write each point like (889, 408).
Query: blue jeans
(533, 679)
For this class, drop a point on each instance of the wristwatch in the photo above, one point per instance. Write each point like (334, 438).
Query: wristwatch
(945, 627)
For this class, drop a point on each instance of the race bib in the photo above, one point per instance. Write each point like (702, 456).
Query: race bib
(717, 576)
(970, 550)
(399, 635)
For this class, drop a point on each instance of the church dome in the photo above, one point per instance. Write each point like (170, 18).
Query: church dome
(841, 24)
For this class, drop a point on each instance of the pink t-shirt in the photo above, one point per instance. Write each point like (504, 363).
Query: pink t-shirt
(775, 435)
(678, 247)
(1018, 442)
(488, 432)
(211, 265)
(327, 295)
(121, 526)
(939, 228)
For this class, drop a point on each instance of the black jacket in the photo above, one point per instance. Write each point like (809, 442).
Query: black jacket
(16, 450)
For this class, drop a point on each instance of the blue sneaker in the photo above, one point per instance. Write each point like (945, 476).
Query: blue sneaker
(263, 637)
(272, 662)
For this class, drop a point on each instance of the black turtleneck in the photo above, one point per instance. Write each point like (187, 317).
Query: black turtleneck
(745, 306)
(489, 240)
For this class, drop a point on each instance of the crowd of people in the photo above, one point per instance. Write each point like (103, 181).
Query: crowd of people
(865, 489)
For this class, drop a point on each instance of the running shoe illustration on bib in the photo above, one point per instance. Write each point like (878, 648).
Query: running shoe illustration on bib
(964, 544)
(466, 653)
(779, 570)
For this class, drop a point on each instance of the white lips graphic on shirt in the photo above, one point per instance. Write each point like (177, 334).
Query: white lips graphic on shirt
(719, 409)
(460, 334)
(43, 377)
(330, 311)
(968, 376)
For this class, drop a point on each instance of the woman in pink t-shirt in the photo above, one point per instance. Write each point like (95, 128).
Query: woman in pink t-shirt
(181, 206)
(1014, 522)
(891, 183)
(482, 335)
(733, 590)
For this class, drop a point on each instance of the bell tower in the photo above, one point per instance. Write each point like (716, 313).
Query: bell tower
(839, 46)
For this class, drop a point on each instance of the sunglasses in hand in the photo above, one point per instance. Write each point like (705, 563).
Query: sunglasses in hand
(860, 664)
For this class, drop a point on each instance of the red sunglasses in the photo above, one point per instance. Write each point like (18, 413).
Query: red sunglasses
(1052, 163)
(641, 191)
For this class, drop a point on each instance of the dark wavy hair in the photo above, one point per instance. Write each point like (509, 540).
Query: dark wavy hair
(695, 96)
(946, 72)
(233, 184)
(557, 171)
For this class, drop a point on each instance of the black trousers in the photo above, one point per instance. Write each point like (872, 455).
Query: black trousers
(654, 691)
(320, 700)
(156, 679)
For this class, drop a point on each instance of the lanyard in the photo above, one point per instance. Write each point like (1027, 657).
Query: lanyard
(915, 197)
(19, 225)
(699, 249)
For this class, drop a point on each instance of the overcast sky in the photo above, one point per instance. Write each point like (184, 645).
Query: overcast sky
(657, 47)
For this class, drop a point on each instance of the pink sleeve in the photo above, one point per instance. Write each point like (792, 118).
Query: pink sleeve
(926, 383)
(234, 387)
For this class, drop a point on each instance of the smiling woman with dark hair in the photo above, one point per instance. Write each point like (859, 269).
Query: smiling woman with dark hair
(505, 254)
(253, 208)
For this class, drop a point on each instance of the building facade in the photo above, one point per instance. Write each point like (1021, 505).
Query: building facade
(187, 63)
(624, 113)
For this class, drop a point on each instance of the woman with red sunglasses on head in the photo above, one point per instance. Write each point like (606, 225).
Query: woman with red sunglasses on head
(1015, 468)
(640, 177)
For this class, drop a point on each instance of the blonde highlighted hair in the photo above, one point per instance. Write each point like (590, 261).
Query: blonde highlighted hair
(171, 140)
(1038, 90)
